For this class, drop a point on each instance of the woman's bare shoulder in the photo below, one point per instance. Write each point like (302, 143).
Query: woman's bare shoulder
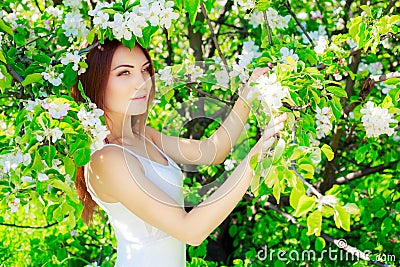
(107, 164)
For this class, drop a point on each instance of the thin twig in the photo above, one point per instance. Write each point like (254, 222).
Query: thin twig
(364, 172)
(384, 77)
(209, 95)
(268, 28)
(214, 38)
(293, 167)
(29, 226)
(13, 73)
(391, 4)
(287, 5)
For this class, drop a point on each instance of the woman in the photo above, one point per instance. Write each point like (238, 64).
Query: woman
(135, 177)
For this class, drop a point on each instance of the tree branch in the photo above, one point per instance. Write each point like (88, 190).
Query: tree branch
(391, 4)
(293, 167)
(214, 38)
(14, 74)
(29, 226)
(287, 5)
(268, 28)
(384, 77)
(169, 48)
(364, 172)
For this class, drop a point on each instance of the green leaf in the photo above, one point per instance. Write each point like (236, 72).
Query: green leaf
(354, 26)
(48, 153)
(90, 36)
(82, 156)
(328, 152)
(61, 185)
(342, 218)
(337, 91)
(31, 78)
(394, 19)
(2, 58)
(280, 147)
(367, 10)
(319, 244)
(69, 166)
(295, 196)
(191, 6)
(314, 223)
(307, 167)
(37, 162)
(69, 76)
(304, 205)
(147, 34)
(6, 28)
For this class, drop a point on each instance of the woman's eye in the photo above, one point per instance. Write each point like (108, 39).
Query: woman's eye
(147, 69)
(125, 72)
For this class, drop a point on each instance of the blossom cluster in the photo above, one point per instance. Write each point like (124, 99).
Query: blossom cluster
(376, 120)
(269, 91)
(130, 23)
(324, 124)
(275, 21)
(93, 126)
(250, 52)
(76, 58)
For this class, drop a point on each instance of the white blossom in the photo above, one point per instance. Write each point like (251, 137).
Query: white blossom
(229, 164)
(57, 110)
(53, 77)
(270, 91)
(42, 177)
(256, 19)
(245, 4)
(376, 120)
(222, 78)
(321, 46)
(193, 71)
(166, 17)
(74, 26)
(92, 125)
(166, 75)
(74, 58)
(323, 122)
(1, 75)
(135, 24)
(286, 52)
(14, 205)
(275, 20)
(54, 11)
(26, 179)
(101, 20)
(74, 4)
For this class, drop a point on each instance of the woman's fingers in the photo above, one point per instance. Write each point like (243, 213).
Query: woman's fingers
(257, 73)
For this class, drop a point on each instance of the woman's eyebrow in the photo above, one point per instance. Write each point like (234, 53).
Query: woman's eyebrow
(123, 65)
(129, 66)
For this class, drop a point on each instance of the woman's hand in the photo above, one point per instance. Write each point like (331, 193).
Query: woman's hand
(268, 137)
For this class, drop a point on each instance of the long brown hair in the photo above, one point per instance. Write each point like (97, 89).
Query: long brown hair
(94, 82)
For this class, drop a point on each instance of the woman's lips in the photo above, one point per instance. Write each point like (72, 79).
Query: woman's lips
(139, 98)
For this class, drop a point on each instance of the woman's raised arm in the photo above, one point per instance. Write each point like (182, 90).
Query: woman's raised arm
(119, 175)
(215, 149)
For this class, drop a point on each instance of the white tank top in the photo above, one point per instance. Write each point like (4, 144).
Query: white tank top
(139, 243)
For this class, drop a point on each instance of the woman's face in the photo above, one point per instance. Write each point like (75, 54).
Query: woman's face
(129, 83)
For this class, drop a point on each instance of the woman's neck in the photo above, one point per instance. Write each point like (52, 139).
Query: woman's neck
(121, 130)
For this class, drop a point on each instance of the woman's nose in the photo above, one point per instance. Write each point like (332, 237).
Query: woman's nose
(140, 80)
